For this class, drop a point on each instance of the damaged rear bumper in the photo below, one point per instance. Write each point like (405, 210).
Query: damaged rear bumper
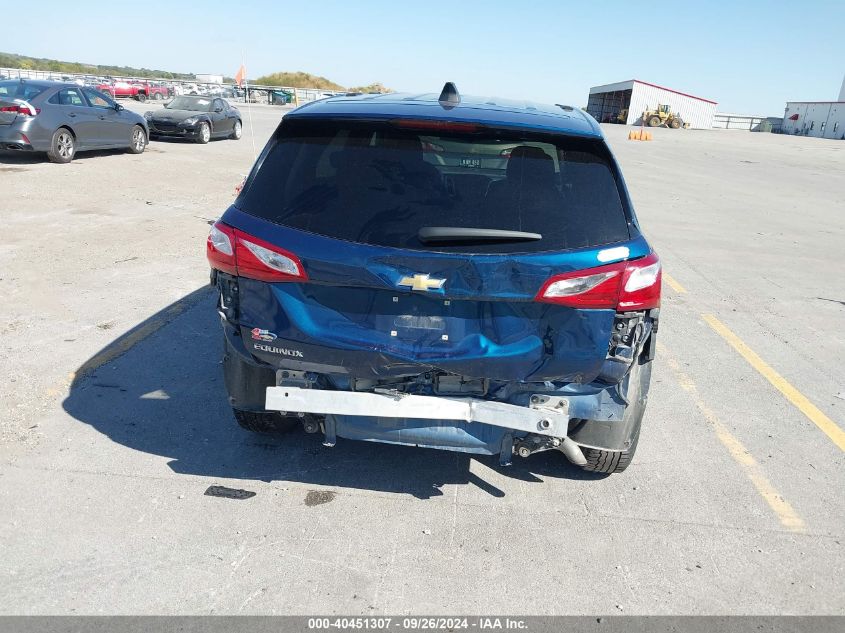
(574, 416)
(459, 424)
(546, 415)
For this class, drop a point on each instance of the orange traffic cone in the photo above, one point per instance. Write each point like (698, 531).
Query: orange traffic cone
(639, 135)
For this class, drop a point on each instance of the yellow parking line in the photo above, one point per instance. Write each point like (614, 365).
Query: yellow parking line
(785, 512)
(780, 383)
(673, 284)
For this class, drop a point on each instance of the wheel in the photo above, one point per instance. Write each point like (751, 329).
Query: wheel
(158, 96)
(603, 461)
(204, 135)
(141, 96)
(265, 421)
(62, 146)
(237, 130)
(137, 140)
(654, 121)
(675, 124)
(599, 461)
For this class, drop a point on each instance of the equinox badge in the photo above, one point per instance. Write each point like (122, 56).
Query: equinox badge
(421, 282)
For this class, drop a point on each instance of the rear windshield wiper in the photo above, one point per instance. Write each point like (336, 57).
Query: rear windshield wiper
(447, 234)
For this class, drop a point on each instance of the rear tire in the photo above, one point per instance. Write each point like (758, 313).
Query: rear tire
(204, 133)
(599, 461)
(137, 140)
(141, 97)
(266, 422)
(237, 131)
(62, 146)
(158, 96)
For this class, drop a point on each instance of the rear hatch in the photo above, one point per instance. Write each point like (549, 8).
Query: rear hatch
(417, 245)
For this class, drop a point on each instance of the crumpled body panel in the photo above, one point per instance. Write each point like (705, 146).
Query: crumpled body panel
(369, 334)
(353, 315)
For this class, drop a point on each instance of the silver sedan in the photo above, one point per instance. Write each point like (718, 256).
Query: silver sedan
(62, 119)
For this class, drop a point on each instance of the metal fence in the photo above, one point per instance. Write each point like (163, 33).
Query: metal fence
(255, 93)
(725, 121)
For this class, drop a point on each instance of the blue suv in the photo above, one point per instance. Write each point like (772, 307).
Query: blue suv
(444, 272)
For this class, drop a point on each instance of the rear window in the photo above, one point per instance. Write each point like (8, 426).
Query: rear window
(19, 90)
(380, 183)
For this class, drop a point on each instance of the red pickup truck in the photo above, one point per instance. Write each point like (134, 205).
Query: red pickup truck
(140, 90)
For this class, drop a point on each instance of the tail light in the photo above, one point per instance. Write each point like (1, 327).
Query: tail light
(21, 108)
(220, 248)
(237, 253)
(623, 286)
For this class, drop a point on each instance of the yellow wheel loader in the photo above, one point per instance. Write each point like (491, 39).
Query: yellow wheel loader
(664, 117)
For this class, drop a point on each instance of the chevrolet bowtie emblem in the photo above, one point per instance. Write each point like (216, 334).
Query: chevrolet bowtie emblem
(421, 282)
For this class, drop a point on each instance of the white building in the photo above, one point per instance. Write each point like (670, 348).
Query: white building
(605, 102)
(824, 119)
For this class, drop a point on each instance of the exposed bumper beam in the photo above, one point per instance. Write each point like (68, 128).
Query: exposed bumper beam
(546, 416)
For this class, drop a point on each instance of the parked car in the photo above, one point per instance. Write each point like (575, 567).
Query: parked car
(159, 90)
(196, 90)
(196, 118)
(221, 91)
(371, 292)
(484, 158)
(138, 90)
(63, 119)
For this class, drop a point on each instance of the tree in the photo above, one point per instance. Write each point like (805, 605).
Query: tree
(297, 79)
(375, 87)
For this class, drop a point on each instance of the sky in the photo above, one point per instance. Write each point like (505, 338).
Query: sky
(749, 56)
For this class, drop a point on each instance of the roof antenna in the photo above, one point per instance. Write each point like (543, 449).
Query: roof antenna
(449, 97)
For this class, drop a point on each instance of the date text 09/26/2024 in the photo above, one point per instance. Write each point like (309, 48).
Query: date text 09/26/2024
(416, 623)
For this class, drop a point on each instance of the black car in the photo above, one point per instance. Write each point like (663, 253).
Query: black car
(196, 118)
